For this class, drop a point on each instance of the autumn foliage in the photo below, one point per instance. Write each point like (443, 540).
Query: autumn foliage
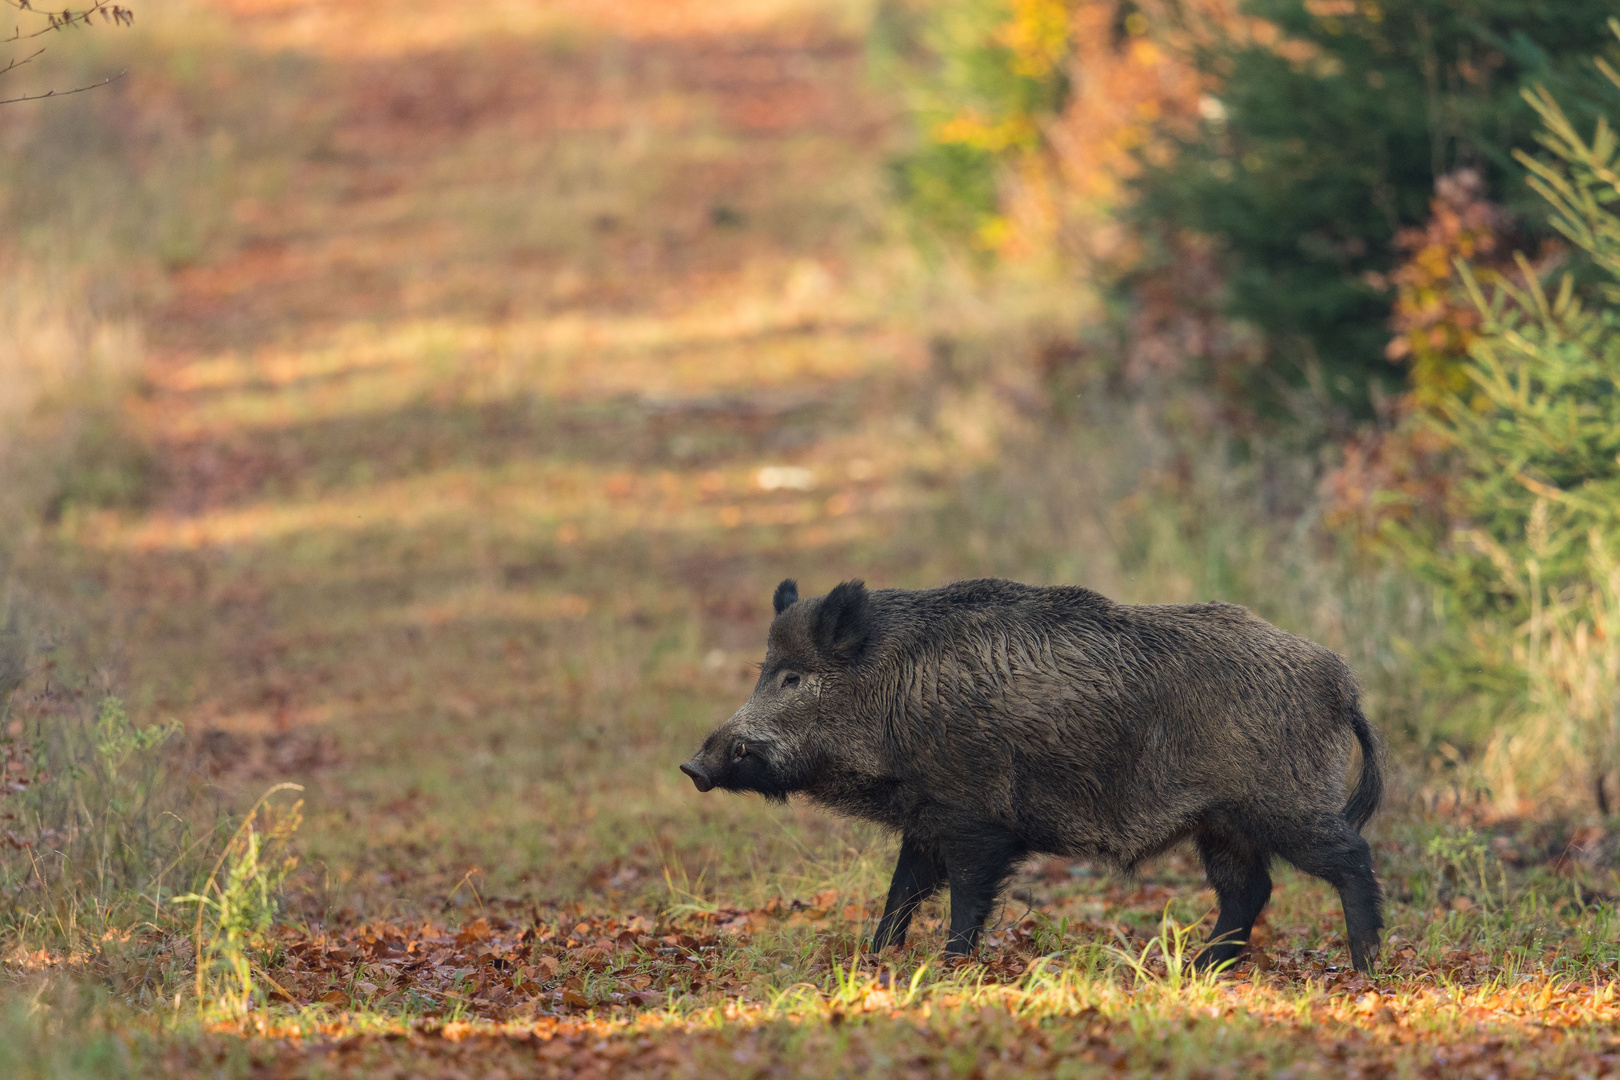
(1400, 471)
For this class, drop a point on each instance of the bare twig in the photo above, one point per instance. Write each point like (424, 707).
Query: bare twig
(63, 93)
(15, 63)
(110, 12)
(61, 20)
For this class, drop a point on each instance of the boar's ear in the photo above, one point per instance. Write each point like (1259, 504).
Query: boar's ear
(787, 593)
(843, 622)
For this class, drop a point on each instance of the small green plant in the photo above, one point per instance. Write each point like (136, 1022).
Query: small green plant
(240, 907)
(1461, 861)
(117, 737)
(848, 984)
(1049, 935)
(1177, 951)
(99, 814)
(690, 893)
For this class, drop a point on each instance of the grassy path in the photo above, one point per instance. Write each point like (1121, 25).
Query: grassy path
(462, 515)
(529, 368)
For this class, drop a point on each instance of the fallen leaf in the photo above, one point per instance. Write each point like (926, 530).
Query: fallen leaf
(474, 931)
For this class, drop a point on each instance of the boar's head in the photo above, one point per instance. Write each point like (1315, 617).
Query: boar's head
(780, 740)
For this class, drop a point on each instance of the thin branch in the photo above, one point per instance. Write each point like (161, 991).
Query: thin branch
(59, 20)
(19, 63)
(116, 14)
(64, 93)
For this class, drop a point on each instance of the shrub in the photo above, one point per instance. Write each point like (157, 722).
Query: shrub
(982, 76)
(95, 813)
(1530, 566)
(105, 827)
(1302, 136)
(1335, 119)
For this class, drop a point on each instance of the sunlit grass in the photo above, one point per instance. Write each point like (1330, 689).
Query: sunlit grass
(472, 434)
(1082, 1004)
(415, 25)
(481, 365)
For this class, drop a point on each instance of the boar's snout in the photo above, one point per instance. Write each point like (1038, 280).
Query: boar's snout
(699, 778)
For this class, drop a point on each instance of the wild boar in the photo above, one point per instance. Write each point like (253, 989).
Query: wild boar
(987, 721)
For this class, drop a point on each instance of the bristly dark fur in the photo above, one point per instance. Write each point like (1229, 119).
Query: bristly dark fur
(986, 721)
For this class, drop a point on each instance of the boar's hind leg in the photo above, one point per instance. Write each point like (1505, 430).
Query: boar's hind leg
(977, 867)
(917, 874)
(1338, 855)
(1242, 882)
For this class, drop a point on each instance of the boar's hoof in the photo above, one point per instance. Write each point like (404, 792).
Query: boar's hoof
(699, 777)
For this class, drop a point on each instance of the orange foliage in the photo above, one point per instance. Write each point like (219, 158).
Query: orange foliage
(1400, 474)
(1037, 35)
(1134, 85)
(1134, 90)
(1393, 475)
(1134, 82)
(1433, 319)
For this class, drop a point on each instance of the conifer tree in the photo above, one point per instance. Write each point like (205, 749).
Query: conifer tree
(1531, 566)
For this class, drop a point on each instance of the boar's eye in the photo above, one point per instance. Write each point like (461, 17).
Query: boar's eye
(790, 680)
(740, 753)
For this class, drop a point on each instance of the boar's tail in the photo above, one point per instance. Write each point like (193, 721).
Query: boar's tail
(1370, 787)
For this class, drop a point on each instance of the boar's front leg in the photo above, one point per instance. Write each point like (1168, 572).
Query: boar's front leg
(917, 874)
(978, 867)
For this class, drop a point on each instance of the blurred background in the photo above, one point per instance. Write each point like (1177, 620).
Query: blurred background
(421, 401)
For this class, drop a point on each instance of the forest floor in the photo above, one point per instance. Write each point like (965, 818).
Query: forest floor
(561, 335)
